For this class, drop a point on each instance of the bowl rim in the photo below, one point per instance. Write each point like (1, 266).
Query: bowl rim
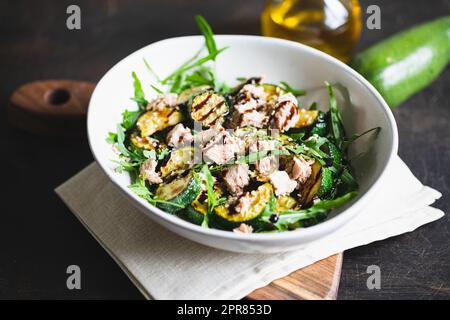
(321, 228)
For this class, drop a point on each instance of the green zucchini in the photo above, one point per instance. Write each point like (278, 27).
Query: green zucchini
(306, 117)
(181, 191)
(334, 153)
(326, 183)
(320, 126)
(156, 120)
(180, 160)
(408, 61)
(284, 203)
(222, 218)
(191, 215)
(312, 185)
(272, 91)
(209, 108)
(187, 94)
(139, 142)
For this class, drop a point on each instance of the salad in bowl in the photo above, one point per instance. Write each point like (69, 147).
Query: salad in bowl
(247, 158)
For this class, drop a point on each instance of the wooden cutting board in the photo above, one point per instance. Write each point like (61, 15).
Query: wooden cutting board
(317, 281)
(57, 108)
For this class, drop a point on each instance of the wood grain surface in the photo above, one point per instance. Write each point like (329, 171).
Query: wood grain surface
(54, 108)
(315, 282)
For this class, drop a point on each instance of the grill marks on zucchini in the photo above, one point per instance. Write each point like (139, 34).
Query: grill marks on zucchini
(209, 108)
(157, 120)
(182, 191)
(224, 217)
(180, 160)
(310, 188)
(146, 143)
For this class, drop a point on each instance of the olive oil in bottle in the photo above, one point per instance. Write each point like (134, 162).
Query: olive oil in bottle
(332, 26)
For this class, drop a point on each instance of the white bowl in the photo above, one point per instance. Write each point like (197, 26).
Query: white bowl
(279, 60)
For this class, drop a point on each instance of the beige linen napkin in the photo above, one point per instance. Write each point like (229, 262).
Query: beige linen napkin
(165, 266)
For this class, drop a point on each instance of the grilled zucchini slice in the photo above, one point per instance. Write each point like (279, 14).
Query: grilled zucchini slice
(180, 160)
(310, 188)
(187, 94)
(181, 191)
(326, 182)
(209, 108)
(273, 91)
(156, 120)
(285, 203)
(146, 143)
(191, 215)
(306, 117)
(224, 219)
(197, 210)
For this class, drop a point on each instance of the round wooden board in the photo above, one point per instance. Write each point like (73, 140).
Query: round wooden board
(317, 281)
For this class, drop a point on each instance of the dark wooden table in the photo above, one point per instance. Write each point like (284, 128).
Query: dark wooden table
(39, 237)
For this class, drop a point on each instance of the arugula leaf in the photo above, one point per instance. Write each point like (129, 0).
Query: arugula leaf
(289, 217)
(139, 95)
(112, 138)
(313, 106)
(205, 28)
(121, 141)
(255, 156)
(288, 88)
(150, 69)
(149, 154)
(348, 180)
(163, 153)
(269, 210)
(125, 166)
(356, 136)
(212, 196)
(156, 89)
(129, 119)
(142, 191)
(298, 136)
(298, 149)
(337, 128)
(209, 57)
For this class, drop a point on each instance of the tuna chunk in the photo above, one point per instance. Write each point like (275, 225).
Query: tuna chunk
(268, 164)
(147, 171)
(236, 178)
(244, 203)
(249, 107)
(162, 101)
(286, 113)
(251, 92)
(179, 136)
(243, 228)
(219, 146)
(299, 169)
(210, 136)
(282, 183)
